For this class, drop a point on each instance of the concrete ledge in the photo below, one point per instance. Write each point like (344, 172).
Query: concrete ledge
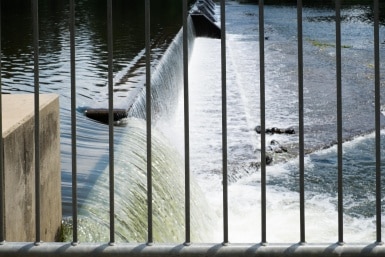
(19, 167)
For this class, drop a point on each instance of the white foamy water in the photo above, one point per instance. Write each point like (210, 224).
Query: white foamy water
(283, 224)
(205, 103)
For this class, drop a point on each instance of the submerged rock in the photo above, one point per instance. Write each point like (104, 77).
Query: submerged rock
(275, 130)
(276, 147)
(269, 159)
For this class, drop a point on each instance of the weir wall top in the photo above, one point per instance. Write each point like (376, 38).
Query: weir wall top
(17, 108)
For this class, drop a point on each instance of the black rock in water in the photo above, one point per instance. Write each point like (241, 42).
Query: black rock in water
(275, 130)
(269, 159)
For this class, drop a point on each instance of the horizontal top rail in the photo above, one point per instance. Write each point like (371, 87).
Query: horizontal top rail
(163, 250)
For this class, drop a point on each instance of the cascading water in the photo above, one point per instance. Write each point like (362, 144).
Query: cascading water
(243, 142)
(166, 79)
(281, 108)
(92, 137)
(131, 167)
(131, 194)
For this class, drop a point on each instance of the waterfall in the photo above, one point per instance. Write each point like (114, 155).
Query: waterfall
(131, 168)
(166, 74)
(130, 83)
(166, 79)
(131, 194)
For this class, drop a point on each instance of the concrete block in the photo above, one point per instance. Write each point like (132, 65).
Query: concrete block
(19, 167)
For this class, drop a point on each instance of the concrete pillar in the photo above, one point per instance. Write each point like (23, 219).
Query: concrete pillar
(19, 167)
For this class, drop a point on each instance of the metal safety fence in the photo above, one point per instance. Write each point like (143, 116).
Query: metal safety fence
(187, 248)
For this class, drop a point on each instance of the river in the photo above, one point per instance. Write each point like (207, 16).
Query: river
(243, 107)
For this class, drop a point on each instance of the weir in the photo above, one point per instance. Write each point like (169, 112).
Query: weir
(326, 203)
(130, 164)
(168, 73)
(131, 193)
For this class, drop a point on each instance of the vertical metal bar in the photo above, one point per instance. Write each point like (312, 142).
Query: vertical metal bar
(301, 124)
(111, 121)
(339, 121)
(224, 124)
(148, 122)
(186, 122)
(2, 214)
(35, 16)
(377, 118)
(73, 126)
(263, 126)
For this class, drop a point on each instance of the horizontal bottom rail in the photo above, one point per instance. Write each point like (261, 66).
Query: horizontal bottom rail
(167, 250)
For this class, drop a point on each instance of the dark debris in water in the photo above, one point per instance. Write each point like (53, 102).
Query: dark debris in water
(275, 130)
(102, 115)
(276, 152)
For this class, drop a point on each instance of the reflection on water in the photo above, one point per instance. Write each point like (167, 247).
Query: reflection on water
(91, 39)
(91, 65)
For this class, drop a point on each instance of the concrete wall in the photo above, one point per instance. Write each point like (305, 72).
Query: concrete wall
(19, 167)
